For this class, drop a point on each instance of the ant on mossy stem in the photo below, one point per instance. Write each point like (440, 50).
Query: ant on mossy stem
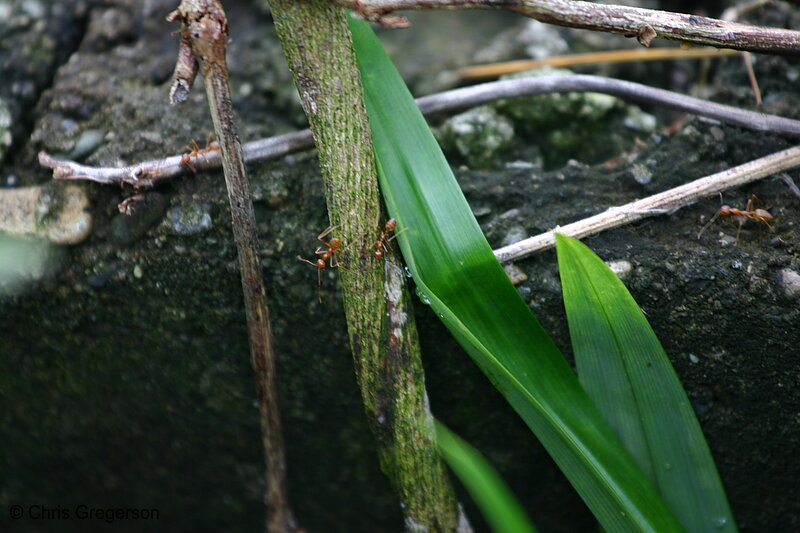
(382, 244)
(748, 212)
(326, 259)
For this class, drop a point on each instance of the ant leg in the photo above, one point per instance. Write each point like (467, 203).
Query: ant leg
(708, 224)
(325, 234)
(319, 276)
(192, 149)
(739, 230)
(306, 261)
(393, 237)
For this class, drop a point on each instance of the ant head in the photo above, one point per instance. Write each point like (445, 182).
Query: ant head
(334, 243)
(391, 224)
(320, 263)
(725, 210)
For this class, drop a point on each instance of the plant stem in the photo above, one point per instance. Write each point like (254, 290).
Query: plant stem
(205, 28)
(317, 43)
(644, 24)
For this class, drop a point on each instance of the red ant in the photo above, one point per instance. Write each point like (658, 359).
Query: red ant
(327, 258)
(195, 151)
(382, 244)
(748, 212)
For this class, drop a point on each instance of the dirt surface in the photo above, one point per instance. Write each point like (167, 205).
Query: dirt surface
(126, 381)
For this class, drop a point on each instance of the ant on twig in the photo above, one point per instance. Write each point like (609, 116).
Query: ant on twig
(382, 244)
(748, 212)
(195, 151)
(327, 257)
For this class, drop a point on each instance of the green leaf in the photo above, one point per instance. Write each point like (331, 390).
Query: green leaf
(497, 503)
(624, 369)
(457, 274)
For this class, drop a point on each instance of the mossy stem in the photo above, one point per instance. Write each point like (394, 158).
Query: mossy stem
(317, 43)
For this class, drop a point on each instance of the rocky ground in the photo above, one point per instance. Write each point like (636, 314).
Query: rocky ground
(126, 379)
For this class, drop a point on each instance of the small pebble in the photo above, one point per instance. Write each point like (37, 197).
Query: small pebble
(641, 174)
(514, 234)
(621, 268)
(789, 281)
(639, 120)
(515, 274)
(190, 219)
(87, 143)
(137, 272)
(59, 213)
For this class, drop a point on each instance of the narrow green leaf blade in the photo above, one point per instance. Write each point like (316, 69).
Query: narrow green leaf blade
(497, 503)
(458, 275)
(625, 370)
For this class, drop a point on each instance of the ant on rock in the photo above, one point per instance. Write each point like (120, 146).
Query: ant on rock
(327, 258)
(748, 212)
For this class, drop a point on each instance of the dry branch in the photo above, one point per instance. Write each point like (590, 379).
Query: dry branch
(150, 173)
(658, 204)
(644, 24)
(204, 39)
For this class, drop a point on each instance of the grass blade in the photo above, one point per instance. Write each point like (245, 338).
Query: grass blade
(624, 369)
(497, 503)
(458, 275)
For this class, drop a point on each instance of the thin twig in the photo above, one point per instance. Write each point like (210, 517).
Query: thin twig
(789, 182)
(638, 55)
(488, 92)
(205, 28)
(732, 15)
(149, 173)
(747, 60)
(644, 24)
(658, 204)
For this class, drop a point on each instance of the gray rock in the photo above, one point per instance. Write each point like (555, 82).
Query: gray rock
(479, 135)
(190, 219)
